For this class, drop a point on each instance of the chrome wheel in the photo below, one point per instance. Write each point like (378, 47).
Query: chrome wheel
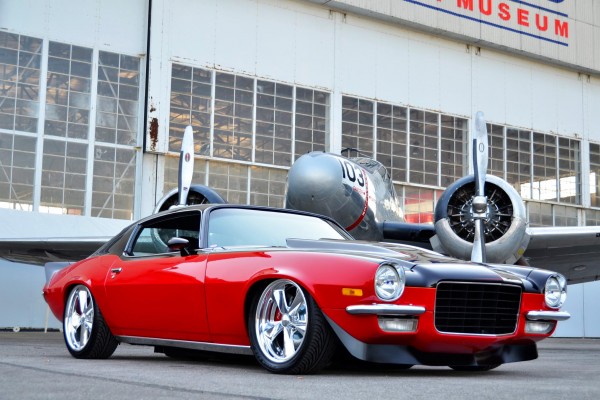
(79, 318)
(281, 321)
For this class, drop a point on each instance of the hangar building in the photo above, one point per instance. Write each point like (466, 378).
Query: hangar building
(95, 95)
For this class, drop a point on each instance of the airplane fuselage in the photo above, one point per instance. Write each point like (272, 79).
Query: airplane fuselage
(356, 192)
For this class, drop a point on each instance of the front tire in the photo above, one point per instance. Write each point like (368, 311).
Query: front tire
(86, 334)
(288, 332)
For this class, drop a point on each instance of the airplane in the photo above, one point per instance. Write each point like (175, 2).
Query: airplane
(479, 217)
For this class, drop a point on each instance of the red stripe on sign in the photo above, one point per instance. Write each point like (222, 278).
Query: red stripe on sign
(366, 206)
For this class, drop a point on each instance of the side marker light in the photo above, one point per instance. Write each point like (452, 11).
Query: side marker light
(352, 292)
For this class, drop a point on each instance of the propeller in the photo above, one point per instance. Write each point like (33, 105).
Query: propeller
(186, 165)
(479, 203)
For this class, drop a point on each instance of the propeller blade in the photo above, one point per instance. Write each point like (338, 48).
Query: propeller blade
(186, 165)
(478, 254)
(480, 153)
(479, 202)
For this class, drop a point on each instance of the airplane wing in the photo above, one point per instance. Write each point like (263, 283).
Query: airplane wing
(573, 251)
(37, 238)
(39, 251)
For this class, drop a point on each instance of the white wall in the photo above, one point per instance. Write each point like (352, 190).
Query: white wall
(582, 302)
(111, 25)
(21, 302)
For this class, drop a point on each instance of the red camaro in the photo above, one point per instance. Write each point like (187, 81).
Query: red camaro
(290, 287)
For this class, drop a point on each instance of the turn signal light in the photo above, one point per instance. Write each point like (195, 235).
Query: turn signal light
(539, 327)
(398, 324)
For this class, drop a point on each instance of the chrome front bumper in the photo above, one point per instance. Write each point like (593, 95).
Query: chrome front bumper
(548, 315)
(385, 309)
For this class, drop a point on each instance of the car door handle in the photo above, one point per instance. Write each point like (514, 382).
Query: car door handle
(116, 270)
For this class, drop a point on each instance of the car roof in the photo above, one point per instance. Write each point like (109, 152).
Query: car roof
(206, 208)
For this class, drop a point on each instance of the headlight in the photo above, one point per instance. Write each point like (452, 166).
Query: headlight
(555, 291)
(389, 282)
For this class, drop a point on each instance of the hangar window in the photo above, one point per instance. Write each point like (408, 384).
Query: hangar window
(256, 126)
(234, 101)
(241, 118)
(540, 214)
(416, 146)
(274, 116)
(595, 175)
(544, 167)
(230, 180)
(267, 186)
(569, 170)
(20, 60)
(68, 91)
(423, 149)
(17, 168)
(117, 101)
(418, 205)
(64, 168)
(392, 139)
(56, 109)
(518, 160)
(117, 108)
(67, 119)
(357, 125)
(453, 148)
(592, 217)
(497, 147)
(546, 214)
(565, 215)
(191, 104)
(540, 166)
(113, 182)
(312, 113)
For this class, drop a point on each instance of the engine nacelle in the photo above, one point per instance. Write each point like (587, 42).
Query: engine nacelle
(198, 194)
(505, 228)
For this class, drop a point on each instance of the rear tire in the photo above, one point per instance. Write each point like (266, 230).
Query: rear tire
(86, 334)
(288, 332)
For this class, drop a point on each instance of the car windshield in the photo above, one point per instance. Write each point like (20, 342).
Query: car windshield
(247, 227)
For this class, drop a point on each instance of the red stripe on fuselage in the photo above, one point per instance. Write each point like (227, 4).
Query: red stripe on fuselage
(366, 206)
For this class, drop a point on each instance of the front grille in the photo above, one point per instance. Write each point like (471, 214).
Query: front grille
(477, 308)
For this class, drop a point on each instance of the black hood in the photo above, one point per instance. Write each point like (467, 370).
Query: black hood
(424, 268)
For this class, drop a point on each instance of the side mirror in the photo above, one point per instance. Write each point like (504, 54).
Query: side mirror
(179, 244)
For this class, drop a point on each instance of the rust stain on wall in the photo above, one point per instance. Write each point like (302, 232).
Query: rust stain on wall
(153, 133)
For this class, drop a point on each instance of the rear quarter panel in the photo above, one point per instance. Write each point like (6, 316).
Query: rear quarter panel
(90, 272)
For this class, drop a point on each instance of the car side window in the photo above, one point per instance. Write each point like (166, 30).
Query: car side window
(154, 235)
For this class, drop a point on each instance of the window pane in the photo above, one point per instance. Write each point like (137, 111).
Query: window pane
(17, 157)
(20, 60)
(357, 126)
